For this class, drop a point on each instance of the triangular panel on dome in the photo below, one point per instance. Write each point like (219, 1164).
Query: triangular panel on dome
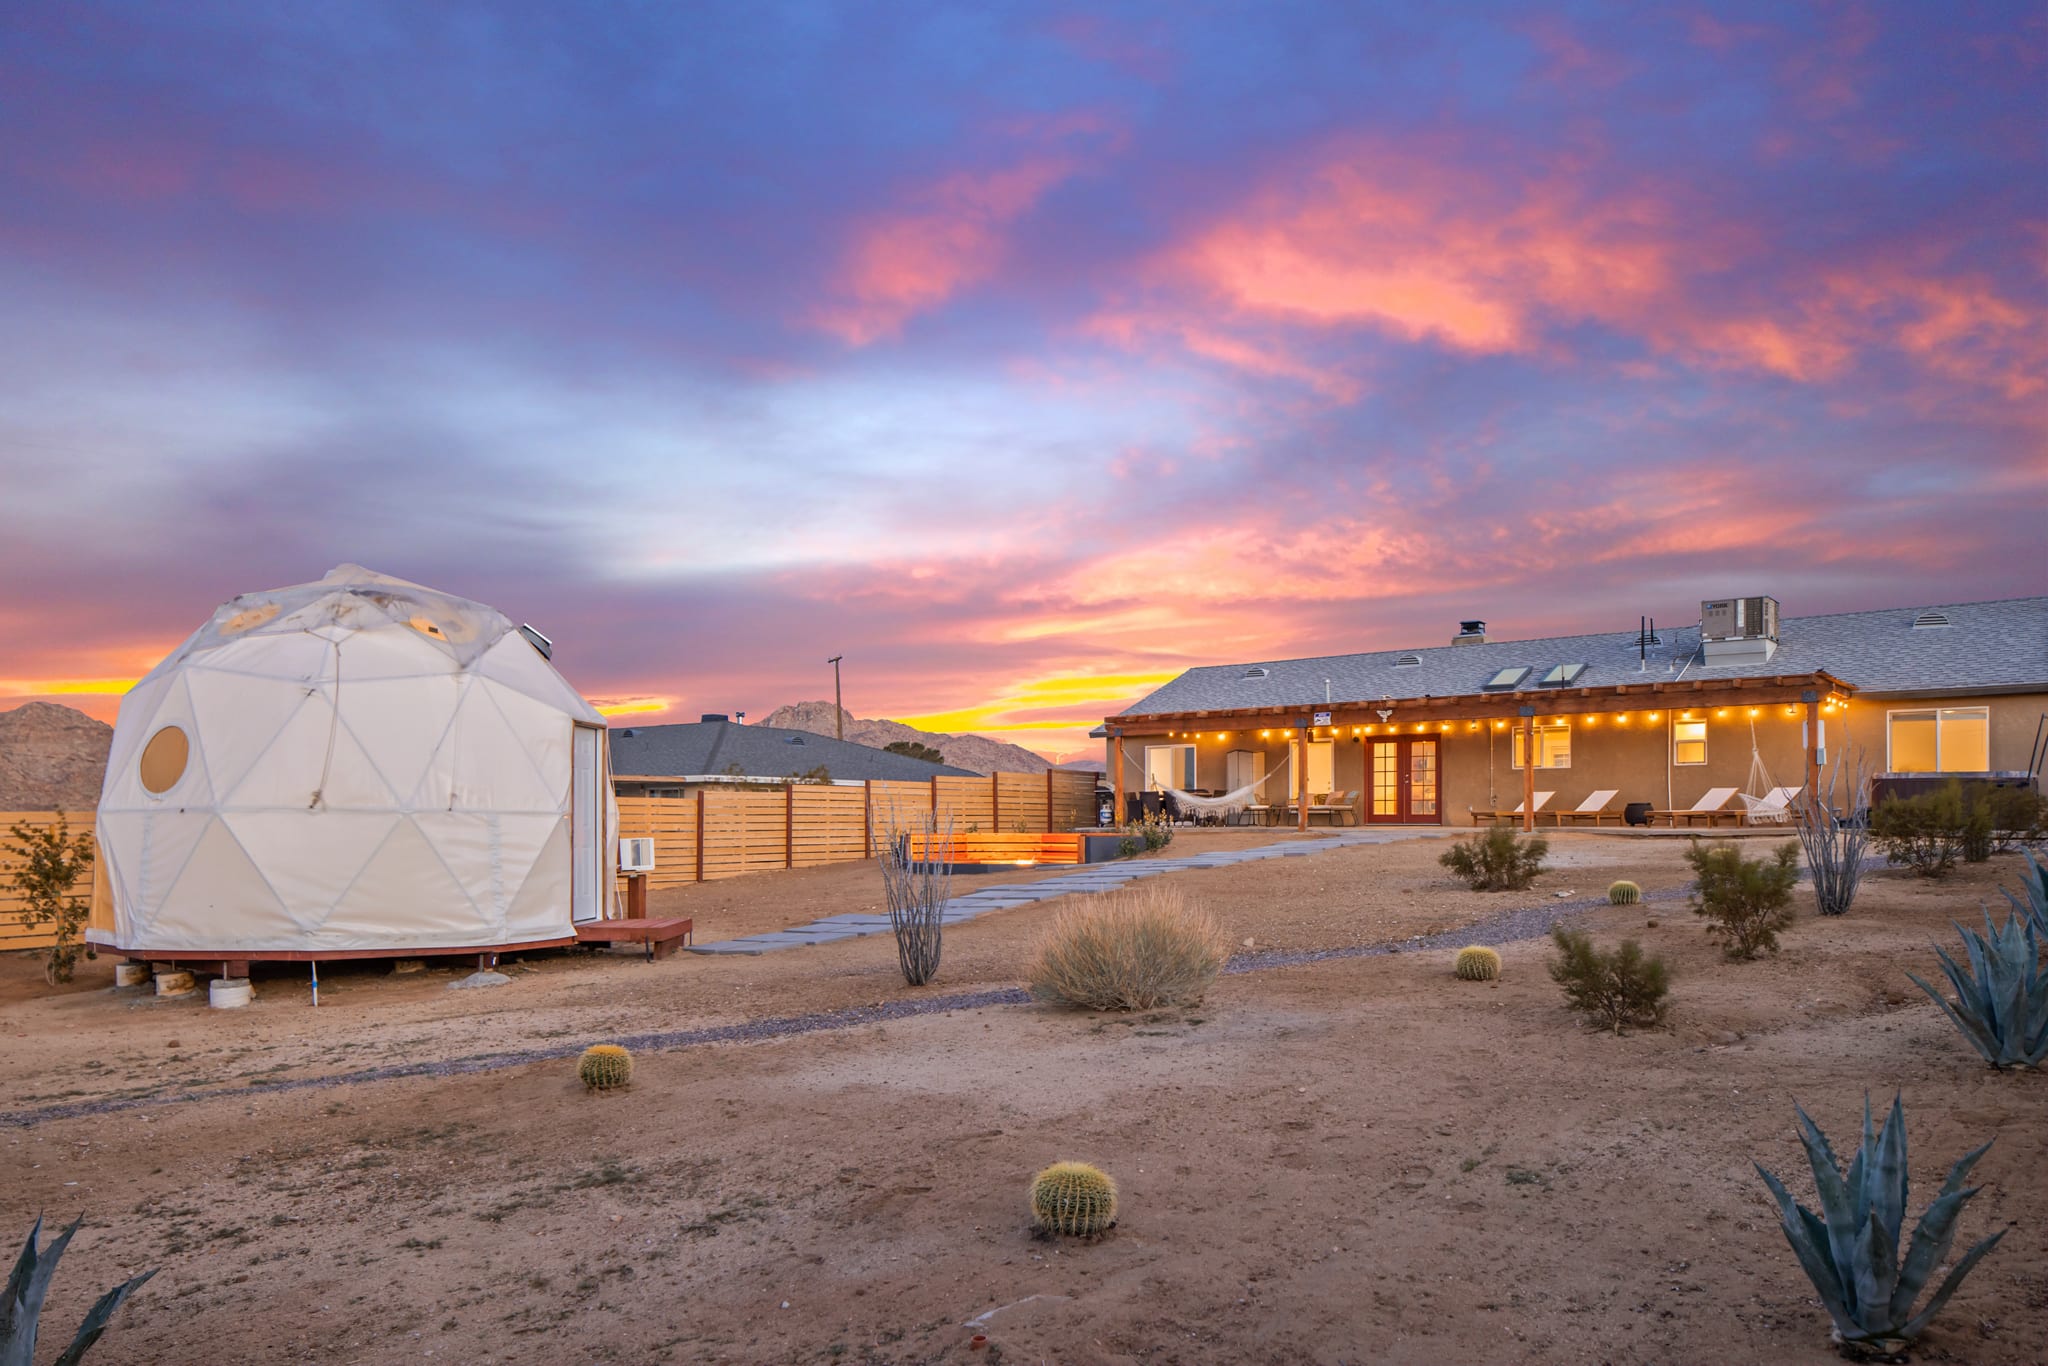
(149, 848)
(405, 895)
(544, 739)
(540, 906)
(237, 717)
(293, 656)
(393, 651)
(402, 723)
(220, 901)
(311, 858)
(516, 664)
(314, 753)
(492, 768)
(138, 709)
(153, 772)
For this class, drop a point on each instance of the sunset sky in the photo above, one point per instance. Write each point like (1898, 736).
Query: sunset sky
(1022, 354)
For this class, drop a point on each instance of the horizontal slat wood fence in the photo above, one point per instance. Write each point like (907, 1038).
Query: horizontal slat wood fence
(709, 835)
(14, 934)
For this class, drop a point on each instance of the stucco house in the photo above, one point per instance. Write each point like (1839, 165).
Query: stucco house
(1438, 735)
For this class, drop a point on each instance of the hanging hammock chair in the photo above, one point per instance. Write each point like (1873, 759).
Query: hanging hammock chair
(1764, 802)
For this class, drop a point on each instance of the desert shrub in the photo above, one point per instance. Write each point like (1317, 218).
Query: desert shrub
(2002, 1006)
(1137, 948)
(1130, 846)
(1925, 831)
(52, 859)
(2015, 817)
(915, 749)
(1624, 893)
(1834, 828)
(1611, 987)
(1748, 900)
(604, 1067)
(1851, 1250)
(21, 1301)
(1477, 963)
(1073, 1198)
(1498, 860)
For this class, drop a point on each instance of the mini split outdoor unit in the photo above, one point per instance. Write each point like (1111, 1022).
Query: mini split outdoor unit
(636, 856)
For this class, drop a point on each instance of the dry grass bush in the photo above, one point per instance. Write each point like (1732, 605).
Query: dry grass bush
(1138, 948)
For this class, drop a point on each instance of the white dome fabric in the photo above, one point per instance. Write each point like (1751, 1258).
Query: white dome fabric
(367, 765)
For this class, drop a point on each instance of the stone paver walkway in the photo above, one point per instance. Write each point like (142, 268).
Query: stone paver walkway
(1089, 877)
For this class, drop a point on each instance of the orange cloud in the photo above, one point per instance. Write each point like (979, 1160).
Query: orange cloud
(952, 236)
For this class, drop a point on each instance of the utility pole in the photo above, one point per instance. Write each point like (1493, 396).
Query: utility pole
(838, 707)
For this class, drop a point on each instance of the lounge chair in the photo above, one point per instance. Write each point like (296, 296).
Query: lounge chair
(1336, 806)
(1593, 809)
(1707, 808)
(1773, 808)
(1541, 798)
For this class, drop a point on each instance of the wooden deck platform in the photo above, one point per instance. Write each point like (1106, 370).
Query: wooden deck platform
(659, 935)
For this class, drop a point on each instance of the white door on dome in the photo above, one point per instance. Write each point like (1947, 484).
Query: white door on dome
(586, 827)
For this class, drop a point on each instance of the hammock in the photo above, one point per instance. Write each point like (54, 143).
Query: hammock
(1230, 803)
(1764, 802)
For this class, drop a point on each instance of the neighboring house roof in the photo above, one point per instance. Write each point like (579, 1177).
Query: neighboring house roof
(1985, 647)
(709, 747)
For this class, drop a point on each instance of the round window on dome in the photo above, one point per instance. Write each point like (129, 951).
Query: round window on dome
(163, 760)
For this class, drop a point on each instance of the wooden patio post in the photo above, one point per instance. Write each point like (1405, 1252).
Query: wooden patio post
(1812, 700)
(1116, 815)
(935, 794)
(1301, 784)
(867, 818)
(1528, 768)
(700, 834)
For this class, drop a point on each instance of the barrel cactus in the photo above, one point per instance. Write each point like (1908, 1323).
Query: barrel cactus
(1624, 893)
(605, 1067)
(1477, 964)
(1073, 1197)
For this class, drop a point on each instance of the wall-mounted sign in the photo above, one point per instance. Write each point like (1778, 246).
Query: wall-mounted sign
(1322, 718)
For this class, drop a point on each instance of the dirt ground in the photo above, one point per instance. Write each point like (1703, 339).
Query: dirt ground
(1348, 1161)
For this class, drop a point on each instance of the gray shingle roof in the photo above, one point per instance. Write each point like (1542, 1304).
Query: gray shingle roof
(1987, 647)
(760, 751)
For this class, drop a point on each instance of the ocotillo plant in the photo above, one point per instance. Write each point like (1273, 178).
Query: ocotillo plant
(917, 888)
(1835, 839)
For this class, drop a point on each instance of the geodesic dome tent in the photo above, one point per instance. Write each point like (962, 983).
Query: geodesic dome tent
(349, 768)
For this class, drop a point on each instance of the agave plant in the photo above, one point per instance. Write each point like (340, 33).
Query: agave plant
(2034, 887)
(1852, 1256)
(22, 1306)
(2002, 1009)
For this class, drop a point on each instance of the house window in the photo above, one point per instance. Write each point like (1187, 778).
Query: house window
(1688, 742)
(1939, 740)
(1170, 766)
(1553, 745)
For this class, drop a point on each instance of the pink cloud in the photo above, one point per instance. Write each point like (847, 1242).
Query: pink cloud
(950, 236)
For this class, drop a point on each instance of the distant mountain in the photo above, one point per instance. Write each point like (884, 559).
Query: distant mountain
(1083, 766)
(977, 752)
(51, 756)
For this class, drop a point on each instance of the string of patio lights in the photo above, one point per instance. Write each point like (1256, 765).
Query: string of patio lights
(1829, 707)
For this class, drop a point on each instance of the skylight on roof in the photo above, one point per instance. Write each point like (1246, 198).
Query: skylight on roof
(1510, 677)
(1928, 621)
(1407, 661)
(1562, 674)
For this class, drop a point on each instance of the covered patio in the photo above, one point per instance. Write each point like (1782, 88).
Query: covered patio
(1670, 753)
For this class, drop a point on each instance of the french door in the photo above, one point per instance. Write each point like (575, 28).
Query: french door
(1403, 781)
